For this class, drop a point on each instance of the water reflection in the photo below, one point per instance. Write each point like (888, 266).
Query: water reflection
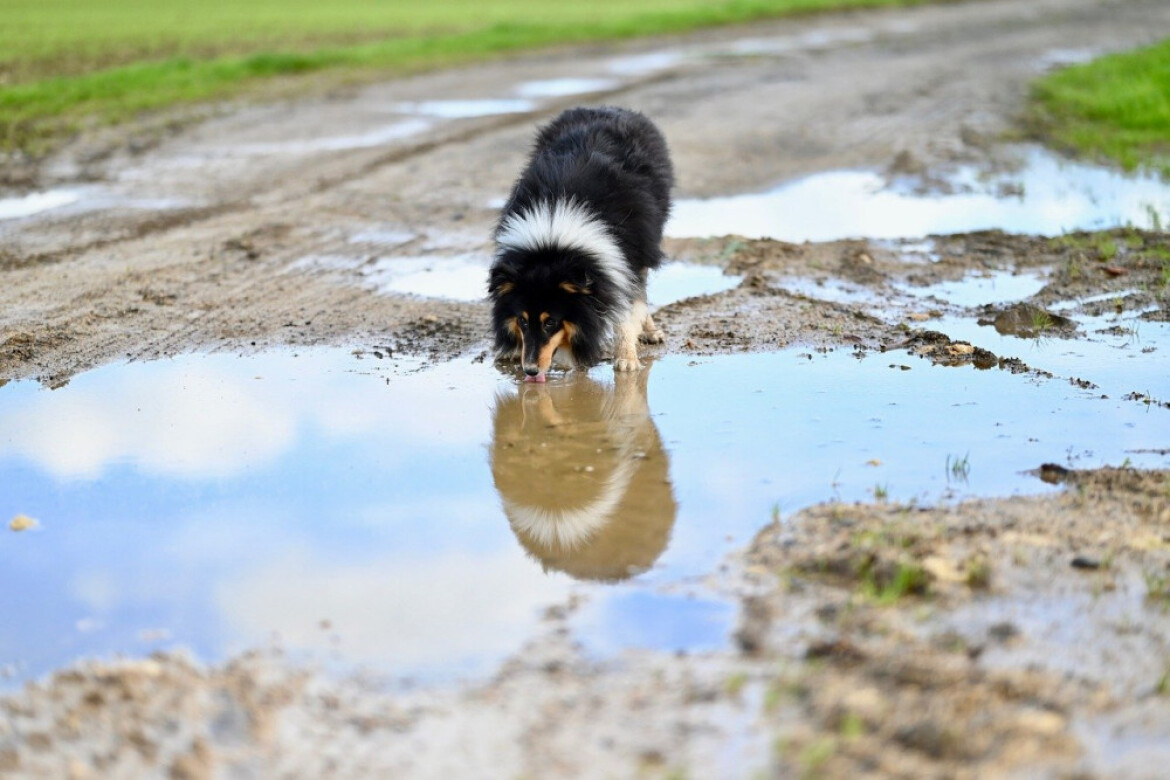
(1047, 195)
(583, 477)
(344, 504)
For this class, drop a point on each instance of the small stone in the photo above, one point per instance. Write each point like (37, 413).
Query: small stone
(1085, 562)
(1041, 722)
(1003, 631)
(867, 703)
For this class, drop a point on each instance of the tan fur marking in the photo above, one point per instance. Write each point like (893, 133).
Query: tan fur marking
(514, 326)
(574, 289)
(546, 354)
(543, 317)
(570, 331)
(505, 288)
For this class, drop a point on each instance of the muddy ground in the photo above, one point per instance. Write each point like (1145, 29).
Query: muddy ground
(1004, 635)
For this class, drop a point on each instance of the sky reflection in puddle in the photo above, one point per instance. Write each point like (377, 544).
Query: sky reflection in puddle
(466, 109)
(80, 200)
(549, 88)
(419, 521)
(36, 203)
(977, 289)
(1118, 353)
(1047, 196)
(371, 138)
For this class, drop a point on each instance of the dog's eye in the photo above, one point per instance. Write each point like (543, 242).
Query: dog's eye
(551, 325)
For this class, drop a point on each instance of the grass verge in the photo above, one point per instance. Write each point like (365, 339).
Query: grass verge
(56, 89)
(1116, 107)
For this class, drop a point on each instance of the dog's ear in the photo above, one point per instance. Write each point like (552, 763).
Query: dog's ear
(580, 286)
(501, 280)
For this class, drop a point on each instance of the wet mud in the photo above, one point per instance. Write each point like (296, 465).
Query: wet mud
(884, 502)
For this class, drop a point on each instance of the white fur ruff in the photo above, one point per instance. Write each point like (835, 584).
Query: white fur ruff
(566, 224)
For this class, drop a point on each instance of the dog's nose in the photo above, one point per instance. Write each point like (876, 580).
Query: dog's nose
(531, 370)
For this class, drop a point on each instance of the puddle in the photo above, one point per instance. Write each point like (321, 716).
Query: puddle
(646, 64)
(419, 520)
(996, 287)
(1121, 354)
(385, 237)
(1062, 58)
(1047, 196)
(678, 281)
(813, 40)
(465, 109)
(836, 291)
(551, 88)
(337, 143)
(458, 278)
(464, 277)
(36, 203)
(82, 200)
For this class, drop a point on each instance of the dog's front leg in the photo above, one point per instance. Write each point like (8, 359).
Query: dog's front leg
(651, 333)
(625, 350)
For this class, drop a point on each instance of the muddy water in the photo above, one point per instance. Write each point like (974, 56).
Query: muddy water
(1046, 195)
(419, 520)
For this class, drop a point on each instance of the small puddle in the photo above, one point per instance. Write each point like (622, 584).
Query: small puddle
(1046, 196)
(646, 64)
(82, 200)
(419, 520)
(382, 237)
(994, 287)
(1119, 354)
(36, 203)
(813, 40)
(465, 109)
(552, 88)
(377, 136)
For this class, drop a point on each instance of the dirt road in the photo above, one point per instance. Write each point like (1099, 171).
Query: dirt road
(867, 644)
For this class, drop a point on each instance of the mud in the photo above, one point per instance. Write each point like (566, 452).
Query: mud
(1021, 634)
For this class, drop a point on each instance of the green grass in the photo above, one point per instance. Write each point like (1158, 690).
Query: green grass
(909, 579)
(65, 63)
(1116, 107)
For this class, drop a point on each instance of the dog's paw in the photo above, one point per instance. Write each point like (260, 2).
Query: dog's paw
(626, 364)
(656, 336)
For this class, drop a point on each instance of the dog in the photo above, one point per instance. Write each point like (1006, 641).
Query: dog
(576, 239)
(582, 475)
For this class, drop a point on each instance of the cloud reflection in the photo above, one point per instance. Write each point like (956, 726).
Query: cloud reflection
(204, 417)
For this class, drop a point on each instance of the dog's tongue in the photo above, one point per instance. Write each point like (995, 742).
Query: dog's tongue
(538, 378)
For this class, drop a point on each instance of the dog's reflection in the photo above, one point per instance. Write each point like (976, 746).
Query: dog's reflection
(582, 475)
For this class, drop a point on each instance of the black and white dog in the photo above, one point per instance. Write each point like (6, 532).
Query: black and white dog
(575, 241)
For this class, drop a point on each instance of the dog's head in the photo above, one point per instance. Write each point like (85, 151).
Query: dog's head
(548, 300)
